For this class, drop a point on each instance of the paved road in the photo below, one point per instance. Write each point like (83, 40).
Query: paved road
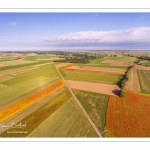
(83, 110)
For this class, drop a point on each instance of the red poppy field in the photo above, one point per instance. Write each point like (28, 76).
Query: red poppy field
(128, 116)
(7, 112)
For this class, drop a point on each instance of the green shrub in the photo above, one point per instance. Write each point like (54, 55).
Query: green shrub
(121, 93)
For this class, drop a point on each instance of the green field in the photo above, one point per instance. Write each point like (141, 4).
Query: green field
(6, 77)
(108, 68)
(102, 66)
(67, 121)
(19, 91)
(95, 105)
(35, 57)
(98, 61)
(33, 120)
(59, 117)
(18, 87)
(18, 65)
(46, 71)
(147, 64)
(144, 79)
(92, 77)
(16, 62)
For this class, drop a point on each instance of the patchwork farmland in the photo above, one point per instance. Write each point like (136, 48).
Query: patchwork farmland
(48, 95)
(33, 89)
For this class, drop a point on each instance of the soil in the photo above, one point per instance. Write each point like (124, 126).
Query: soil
(140, 67)
(94, 87)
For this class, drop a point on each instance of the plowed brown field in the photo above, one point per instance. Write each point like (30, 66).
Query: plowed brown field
(94, 87)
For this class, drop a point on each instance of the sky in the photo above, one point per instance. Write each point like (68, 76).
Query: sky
(71, 31)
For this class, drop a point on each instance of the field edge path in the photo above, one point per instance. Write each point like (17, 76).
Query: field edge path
(83, 110)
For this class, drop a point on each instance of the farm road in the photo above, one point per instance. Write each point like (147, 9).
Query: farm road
(83, 110)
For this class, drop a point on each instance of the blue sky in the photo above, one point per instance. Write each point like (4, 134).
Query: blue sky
(60, 31)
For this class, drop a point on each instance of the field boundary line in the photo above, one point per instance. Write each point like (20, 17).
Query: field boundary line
(83, 110)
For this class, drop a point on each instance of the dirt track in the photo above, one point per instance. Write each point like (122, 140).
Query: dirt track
(94, 87)
(83, 110)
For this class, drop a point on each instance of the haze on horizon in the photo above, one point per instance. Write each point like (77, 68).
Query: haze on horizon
(60, 31)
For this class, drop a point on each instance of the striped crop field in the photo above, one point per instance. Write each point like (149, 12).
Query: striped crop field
(34, 119)
(128, 116)
(67, 121)
(7, 112)
(144, 79)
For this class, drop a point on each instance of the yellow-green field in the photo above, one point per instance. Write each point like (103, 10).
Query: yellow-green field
(92, 77)
(67, 121)
(95, 105)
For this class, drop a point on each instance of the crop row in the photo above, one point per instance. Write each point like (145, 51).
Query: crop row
(144, 80)
(7, 112)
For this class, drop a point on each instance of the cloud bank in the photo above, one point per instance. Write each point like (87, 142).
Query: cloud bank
(128, 37)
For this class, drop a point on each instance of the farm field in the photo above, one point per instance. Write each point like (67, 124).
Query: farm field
(105, 68)
(94, 87)
(16, 62)
(33, 119)
(147, 64)
(20, 115)
(46, 71)
(17, 71)
(95, 105)
(97, 61)
(67, 121)
(23, 65)
(78, 68)
(7, 112)
(24, 84)
(13, 93)
(144, 79)
(37, 57)
(117, 62)
(103, 65)
(91, 77)
(35, 102)
(133, 81)
(128, 116)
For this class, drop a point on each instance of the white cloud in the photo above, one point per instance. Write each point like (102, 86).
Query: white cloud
(133, 38)
(13, 23)
(138, 34)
